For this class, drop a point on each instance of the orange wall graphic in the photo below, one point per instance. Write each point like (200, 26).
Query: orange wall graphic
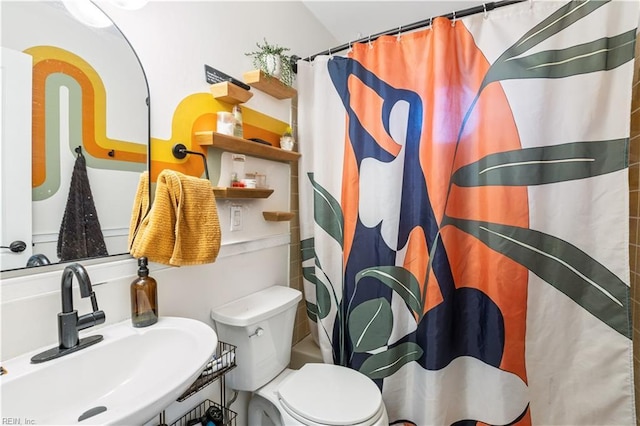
(196, 112)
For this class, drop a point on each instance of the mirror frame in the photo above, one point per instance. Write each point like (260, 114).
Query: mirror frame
(42, 269)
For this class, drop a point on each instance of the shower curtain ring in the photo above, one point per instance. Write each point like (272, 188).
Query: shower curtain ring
(486, 12)
(431, 23)
(453, 21)
(370, 45)
(350, 48)
(399, 33)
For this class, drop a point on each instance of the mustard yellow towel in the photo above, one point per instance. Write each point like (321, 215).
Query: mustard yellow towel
(182, 226)
(140, 206)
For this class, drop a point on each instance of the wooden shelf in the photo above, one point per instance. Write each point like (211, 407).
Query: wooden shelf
(230, 93)
(241, 192)
(278, 216)
(268, 84)
(243, 146)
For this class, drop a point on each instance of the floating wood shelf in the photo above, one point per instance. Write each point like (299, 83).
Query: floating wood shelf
(278, 216)
(268, 84)
(243, 146)
(230, 93)
(242, 192)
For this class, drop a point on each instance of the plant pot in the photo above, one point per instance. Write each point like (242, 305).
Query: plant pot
(273, 65)
(286, 143)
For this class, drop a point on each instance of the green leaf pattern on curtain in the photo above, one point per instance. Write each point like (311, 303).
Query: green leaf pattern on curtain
(598, 55)
(370, 325)
(323, 298)
(384, 364)
(564, 266)
(327, 212)
(312, 311)
(399, 280)
(307, 249)
(547, 164)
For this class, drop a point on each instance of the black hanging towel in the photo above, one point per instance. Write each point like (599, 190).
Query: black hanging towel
(80, 234)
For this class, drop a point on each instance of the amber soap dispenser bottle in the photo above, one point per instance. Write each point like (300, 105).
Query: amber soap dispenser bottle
(144, 297)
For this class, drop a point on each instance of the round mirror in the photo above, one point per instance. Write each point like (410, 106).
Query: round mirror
(75, 133)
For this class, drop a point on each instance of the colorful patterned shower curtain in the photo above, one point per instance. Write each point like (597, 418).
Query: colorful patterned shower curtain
(464, 215)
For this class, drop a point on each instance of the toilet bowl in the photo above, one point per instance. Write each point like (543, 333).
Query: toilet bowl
(261, 327)
(318, 394)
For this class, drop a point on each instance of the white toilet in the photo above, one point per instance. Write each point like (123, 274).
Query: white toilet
(261, 327)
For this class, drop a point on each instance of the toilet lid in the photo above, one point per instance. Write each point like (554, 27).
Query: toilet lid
(331, 395)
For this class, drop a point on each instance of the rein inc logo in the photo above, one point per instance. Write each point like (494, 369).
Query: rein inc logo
(17, 421)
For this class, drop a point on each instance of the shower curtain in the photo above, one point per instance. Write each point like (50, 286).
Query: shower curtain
(464, 215)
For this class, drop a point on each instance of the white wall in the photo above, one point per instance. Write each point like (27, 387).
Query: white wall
(349, 20)
(174, 40)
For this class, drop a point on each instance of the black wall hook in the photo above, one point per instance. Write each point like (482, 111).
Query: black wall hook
(16, 246)
(180, 151)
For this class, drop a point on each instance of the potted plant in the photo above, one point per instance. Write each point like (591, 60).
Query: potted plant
(272, 60)
(286, 140)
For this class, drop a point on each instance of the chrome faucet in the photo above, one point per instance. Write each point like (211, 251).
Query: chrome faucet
(68, 321)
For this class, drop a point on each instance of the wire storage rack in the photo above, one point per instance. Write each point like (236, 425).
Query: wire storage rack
(207, 412)
(222, 362)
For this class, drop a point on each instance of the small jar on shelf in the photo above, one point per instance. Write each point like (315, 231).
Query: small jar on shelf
(237, 127)
(237, 170)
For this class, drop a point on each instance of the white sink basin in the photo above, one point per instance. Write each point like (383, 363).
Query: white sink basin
(134, 373)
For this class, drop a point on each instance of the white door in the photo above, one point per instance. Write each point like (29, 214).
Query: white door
(15, 156)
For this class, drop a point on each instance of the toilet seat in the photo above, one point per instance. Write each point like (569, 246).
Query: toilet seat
(330, 395)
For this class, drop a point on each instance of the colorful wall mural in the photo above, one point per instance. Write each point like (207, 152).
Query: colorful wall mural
(55, 68)
(197, 113)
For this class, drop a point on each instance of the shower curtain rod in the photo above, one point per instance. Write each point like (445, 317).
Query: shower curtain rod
(486, 7)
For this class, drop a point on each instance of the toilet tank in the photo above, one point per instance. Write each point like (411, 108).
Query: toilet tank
(260, 325)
